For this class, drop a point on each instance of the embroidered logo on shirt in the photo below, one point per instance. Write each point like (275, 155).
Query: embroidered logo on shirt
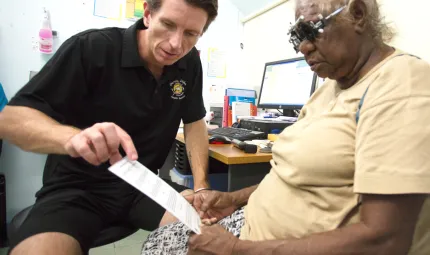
(178, 89)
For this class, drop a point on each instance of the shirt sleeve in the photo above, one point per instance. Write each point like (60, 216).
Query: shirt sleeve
(59, 85)
(3, 99)
(194, 108)
(393, 132)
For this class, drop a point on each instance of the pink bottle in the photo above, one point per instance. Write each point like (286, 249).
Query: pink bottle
(45, 35)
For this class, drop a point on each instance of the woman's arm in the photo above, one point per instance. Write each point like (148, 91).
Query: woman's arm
(387, 227)
(241, 197)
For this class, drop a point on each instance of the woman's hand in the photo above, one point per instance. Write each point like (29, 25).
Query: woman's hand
(213, 205)
(213, 240)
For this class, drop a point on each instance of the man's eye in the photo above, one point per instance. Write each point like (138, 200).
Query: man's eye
(168, 24)
(190, 34)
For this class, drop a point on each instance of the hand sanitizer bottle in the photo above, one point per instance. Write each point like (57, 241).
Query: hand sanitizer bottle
(45, 35)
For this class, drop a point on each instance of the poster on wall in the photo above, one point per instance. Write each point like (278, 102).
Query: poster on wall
(134, 9)
(131, 10)
(109, 9)
(217, 63)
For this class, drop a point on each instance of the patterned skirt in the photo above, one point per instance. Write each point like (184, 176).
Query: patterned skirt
(173, 238)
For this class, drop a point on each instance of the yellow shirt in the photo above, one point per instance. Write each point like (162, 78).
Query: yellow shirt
(321, 163)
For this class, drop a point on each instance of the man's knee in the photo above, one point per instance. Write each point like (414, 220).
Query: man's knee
(47, 244)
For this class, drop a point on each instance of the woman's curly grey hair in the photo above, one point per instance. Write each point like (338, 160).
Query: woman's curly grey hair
(380, 30)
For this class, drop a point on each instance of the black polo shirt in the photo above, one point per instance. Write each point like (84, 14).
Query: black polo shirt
(98, 76)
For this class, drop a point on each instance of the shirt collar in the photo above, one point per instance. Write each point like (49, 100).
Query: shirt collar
(130, 52)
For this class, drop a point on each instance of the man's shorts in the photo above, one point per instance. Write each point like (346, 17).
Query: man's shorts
(82, 214)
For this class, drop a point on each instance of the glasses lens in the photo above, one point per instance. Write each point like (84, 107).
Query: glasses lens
(306, 31)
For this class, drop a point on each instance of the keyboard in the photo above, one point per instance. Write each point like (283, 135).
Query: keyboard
(238, 133)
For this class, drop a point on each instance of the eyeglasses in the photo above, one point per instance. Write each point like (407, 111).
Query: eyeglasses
(301, 31)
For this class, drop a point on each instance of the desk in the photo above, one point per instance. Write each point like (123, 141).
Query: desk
(244, 169)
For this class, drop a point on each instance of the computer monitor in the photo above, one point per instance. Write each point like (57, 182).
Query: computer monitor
(286, 85)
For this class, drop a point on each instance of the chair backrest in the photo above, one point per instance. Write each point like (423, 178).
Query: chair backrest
(3, 102)
(3, 98)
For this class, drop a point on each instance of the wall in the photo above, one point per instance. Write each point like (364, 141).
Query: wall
(225, 34)
(265, 40)
(249, 7)
(19, 26)
(265, 37)
(409, 19)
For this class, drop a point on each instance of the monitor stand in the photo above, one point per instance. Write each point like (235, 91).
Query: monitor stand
(289, 113)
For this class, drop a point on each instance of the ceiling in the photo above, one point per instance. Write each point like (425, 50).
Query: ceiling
(248, 7)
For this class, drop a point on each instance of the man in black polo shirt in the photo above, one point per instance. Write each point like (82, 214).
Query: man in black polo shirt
(105, 94)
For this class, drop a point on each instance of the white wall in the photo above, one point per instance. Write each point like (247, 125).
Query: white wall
(266, 40)
(225, 34)
(265, 37)
(249, 7)
(410, 19)
(19, 25)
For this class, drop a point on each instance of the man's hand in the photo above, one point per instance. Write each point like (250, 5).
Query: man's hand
(100, 143)
(214, 240)
(213, 205)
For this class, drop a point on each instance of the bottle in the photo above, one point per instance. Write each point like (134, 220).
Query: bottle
(45, 35)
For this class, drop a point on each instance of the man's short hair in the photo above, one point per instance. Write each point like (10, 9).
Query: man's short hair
(210, 6)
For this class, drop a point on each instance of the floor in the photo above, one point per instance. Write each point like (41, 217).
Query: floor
(127, 246)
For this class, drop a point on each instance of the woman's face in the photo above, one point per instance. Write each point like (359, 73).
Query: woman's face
(334, 53)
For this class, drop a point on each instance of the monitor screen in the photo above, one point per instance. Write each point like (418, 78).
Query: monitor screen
(287, 84)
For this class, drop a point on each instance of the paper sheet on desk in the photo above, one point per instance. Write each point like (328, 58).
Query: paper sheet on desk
(158, 190)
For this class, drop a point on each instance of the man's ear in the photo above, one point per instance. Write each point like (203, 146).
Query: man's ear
(146, 14)
(360, 14)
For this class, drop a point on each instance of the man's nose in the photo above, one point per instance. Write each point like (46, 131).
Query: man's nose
(306, 47)
(176, 40)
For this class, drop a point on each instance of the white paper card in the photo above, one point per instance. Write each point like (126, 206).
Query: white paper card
(158, 190)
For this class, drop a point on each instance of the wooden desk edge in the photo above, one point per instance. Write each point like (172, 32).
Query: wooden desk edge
(233, 160)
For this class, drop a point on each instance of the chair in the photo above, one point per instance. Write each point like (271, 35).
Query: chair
(108, 235)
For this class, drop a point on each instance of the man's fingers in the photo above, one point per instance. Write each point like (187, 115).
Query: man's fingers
(82, 147)
(98, 141)
(127, 144)
(189, 198)
(111, 136)
(115, 157)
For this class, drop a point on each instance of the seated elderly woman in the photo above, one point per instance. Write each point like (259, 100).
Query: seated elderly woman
(348, 177)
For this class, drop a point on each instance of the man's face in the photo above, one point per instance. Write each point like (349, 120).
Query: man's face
(173, 30)
(334, 53)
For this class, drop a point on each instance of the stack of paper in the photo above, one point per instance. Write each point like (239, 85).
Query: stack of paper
(240, 109)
